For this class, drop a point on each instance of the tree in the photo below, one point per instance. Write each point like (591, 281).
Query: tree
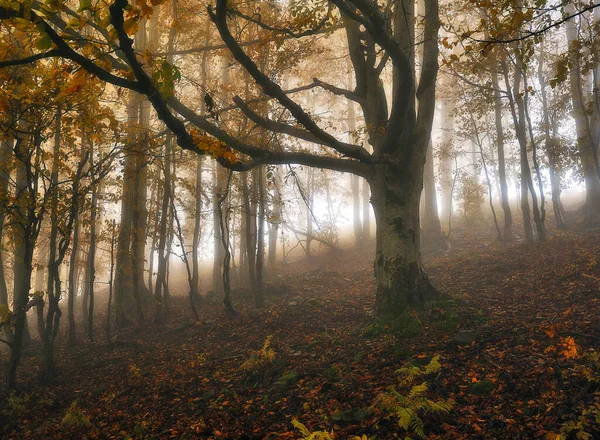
(398, 134)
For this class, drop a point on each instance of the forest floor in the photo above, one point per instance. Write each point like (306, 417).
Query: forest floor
(515, 342)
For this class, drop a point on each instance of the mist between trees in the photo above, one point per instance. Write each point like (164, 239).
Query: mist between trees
(154, 149)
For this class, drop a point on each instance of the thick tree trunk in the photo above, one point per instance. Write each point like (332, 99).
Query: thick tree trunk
(401, 280)
(123, 289)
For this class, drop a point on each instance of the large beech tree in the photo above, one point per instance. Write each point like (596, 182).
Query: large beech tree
(377, 37)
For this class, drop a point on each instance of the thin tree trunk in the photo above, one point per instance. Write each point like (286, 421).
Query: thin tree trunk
(446, 158)
(110, 282)
(519, 123)
(219, 174)
(586, 141)
(72, 276)
(5, 167)
(275, 217)
(91, 260)
(432, 229)
(197, 231)
(260, 246)
(500, 138)
(163, 256)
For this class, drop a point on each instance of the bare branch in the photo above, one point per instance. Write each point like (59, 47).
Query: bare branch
(273, 89)
(339, 91)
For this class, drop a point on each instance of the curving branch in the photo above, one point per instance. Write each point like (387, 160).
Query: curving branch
(272, 89)
(163, 105)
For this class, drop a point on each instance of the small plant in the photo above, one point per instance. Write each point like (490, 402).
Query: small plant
(316, 435)
(407, 408)
(259, 360)
(585, 427)
(17, 404)
(75, 418)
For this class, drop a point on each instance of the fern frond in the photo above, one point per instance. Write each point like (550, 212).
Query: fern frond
(417, 390)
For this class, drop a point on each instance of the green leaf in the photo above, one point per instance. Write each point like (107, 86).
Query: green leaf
(43, 43)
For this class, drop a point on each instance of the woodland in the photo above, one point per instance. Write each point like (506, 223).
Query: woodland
(299, 219)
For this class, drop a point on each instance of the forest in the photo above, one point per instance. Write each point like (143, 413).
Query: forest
(299, 219)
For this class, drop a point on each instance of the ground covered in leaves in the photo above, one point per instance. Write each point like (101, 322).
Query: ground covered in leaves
(515, 341)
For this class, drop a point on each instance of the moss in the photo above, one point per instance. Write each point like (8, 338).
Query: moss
(398, 225)
(394, 198)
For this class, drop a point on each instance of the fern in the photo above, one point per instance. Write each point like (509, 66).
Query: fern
(261, 359)
(316, 435)
(408, 407)
(75, 418)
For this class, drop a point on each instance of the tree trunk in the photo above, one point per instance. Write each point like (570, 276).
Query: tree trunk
(259, 298)
(515, 104)
(161, 274)
(21, 271)
(586, 141)
(249, 201)
(310, 187)
(90, 274)
(401, 280)
(276, 216)
(219, 179)
(72, 278)
(366, 211)
(124, 269)
(197, 231)
(508, 220)
(446, 158)
(5, 166)
(432, 229)
(19, 308)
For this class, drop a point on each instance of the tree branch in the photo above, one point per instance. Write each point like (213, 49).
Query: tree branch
(272, 89)
(31, 59)
(318, 29)
(339, 91)
(538, 31)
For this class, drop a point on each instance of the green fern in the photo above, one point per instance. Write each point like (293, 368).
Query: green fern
(407, 408)
(75, 418)
(261, 359)
(316, 435)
